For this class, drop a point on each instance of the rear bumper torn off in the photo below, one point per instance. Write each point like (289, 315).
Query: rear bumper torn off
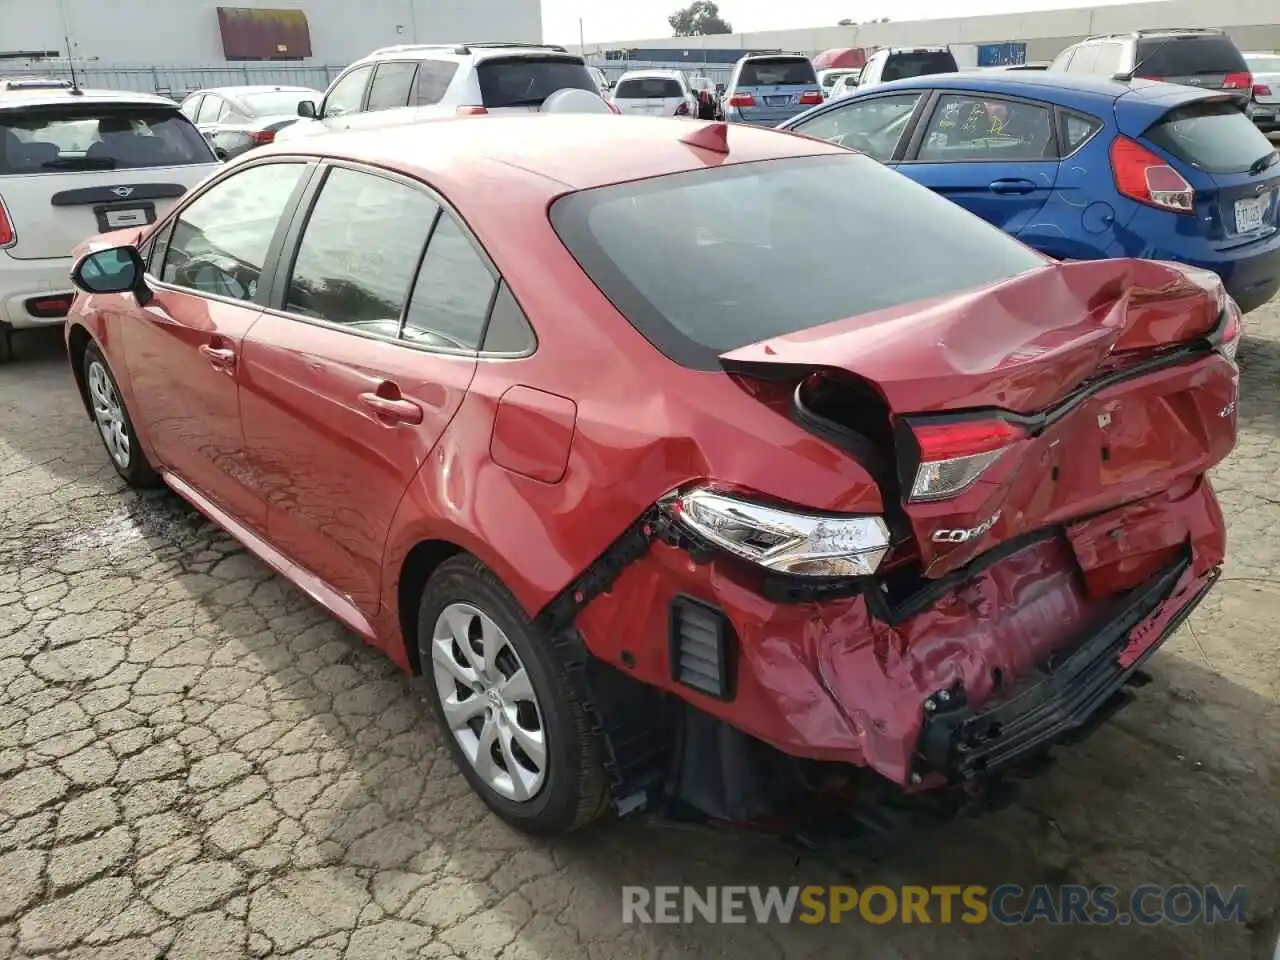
(1066, 698)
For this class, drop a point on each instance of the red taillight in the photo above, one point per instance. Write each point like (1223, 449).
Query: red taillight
(1261, 90)
(954, 455)
(810, 98)
(682, 110)
(472, 111)
(742, 100)
(1142, 176)
(49, 308)
(8, 236)
(1238, 81)
(261, 137)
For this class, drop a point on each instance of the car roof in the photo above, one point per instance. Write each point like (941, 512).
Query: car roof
(657, 73)
(549, 154)
(1050, 85)
(462, 51)
(1158, 32)
(253, 88)
(47, 96)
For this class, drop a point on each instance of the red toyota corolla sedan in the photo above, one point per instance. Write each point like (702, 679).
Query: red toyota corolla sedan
(681, 460)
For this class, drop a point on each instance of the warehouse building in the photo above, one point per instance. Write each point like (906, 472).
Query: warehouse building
(1022, 37)
(176, 45)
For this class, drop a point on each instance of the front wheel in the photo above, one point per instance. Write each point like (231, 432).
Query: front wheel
(514, 723)
(113, 422)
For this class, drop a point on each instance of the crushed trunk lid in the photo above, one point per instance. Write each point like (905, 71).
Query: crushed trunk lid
(1027, 403)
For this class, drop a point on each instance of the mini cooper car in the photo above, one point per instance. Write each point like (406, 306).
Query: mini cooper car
(570, 416)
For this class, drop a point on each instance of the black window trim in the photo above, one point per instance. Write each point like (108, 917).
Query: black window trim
(291, 243)
(1053, 149)
(270, 263)
(923, 98)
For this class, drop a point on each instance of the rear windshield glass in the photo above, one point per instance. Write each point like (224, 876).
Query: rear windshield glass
(97, 137)
(900, 66)
(778, 71)
(645, 87)
(527, 81)
(1213, 137)
(712, 260)
(1264, 64)
(1188, 57)
(278, 101)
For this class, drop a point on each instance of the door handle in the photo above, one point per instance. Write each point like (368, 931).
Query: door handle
(397, 409)
(1012, 186)
(218, 356)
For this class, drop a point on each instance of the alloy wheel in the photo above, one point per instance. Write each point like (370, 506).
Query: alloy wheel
(108, 413)
(489, 702)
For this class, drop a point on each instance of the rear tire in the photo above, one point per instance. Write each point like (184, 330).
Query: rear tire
(506, 690)
(115, 428)
(6, 344)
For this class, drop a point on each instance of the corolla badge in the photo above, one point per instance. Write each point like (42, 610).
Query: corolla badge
(964, 536)
(122, 191)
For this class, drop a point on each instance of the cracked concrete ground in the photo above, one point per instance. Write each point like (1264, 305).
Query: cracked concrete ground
(196, 762)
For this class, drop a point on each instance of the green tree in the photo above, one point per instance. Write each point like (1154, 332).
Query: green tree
(701, 18)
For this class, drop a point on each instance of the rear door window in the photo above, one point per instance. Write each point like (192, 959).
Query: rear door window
(1188, 56)
(359, 251)
(711, 260)
(1076, 131)
(434, 77)
(969, 127)
(527, 81)
(1109, 59)
(645, 88)
(1213, 137)
(900, 66)
(778, 72)
(454, 292)
(391, 85)
(98, 137)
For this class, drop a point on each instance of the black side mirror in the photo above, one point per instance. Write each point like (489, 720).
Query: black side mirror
(307, 108)
(114, 270)
(221, 154)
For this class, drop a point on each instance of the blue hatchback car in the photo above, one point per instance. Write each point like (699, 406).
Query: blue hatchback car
(1083, 168)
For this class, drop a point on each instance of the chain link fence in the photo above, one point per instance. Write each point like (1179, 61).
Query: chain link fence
(177, 82)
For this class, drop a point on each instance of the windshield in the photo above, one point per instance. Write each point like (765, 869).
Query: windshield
(900, 66)
(708, 261)
(273, 102)
(527, 81)
(1213, 137)
(97, 137)
(644, 88)
(1188, 56)
(777, 72)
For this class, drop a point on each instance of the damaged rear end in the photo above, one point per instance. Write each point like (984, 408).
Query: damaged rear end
(1037, 518)
(1041, 448)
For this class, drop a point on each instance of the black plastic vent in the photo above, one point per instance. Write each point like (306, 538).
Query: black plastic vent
(702, 653)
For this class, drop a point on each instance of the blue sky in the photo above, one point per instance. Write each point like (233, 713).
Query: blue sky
(605, 20)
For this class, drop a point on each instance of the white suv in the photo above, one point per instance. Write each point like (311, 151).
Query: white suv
(74, 163)
(405, 83)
